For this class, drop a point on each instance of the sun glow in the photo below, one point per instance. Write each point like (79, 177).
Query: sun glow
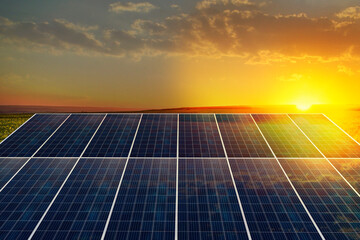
(303, 106)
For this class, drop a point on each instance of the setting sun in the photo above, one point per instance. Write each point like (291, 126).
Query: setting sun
(303, 106)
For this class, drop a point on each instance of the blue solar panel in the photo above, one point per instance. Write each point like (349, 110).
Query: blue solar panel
(8, 167)
(28, 138)
(208, 206)
(241, 136)
(24, 200)
(72, 137)
(145, 206)
(177, 181)
(157, 136)
(199, 136)
(334, 206)
(81, 209)
(114, 137)
(272, 209)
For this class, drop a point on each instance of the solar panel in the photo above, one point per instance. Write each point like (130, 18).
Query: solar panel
(157, 136)
(26, 197)
(114, 137)
(72, 137)
(80, 210)
(285, 139)
(145, 206)
(334, 206)
(350, 169)
(28, 138)
(332, 142)
(272, 209)
(199, 136)
(208, 206)
(241, 136)
(179, 176)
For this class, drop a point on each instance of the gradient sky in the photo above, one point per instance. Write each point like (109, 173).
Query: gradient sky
(157, 54)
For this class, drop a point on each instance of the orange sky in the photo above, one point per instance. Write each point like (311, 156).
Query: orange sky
(159, 54)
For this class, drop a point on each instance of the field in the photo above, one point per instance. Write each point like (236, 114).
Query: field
(346, 118)
(10, 122)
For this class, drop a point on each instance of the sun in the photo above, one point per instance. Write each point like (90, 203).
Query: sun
(303, 106)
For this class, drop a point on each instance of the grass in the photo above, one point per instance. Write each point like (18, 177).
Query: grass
(10, 122)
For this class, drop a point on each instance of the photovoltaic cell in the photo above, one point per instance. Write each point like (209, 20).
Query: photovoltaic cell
(334, 206)
(24, 200)
(145, 206)
(28, 138)
(157, 136)
(208, 206)
(350, 169)
(8, 167)
(241, 136)
(114, 137)
(272, 209)
(72, 137)
(81, 209)
(331, 141)
(199, 136)
(285, 139)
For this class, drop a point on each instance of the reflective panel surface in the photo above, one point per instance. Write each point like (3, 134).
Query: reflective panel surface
(145, 206)
(350, 169)
(199, 136)
(29, 137)
(25, 199)
(334, 206)
(272, 209)
(208, 206)
(157, 136)
(114, 137)
(331, 141)
(72, 137)
(285, 139)
(81, 209)
(241, 136)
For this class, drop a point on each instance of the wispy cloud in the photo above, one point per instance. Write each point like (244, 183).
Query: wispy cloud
(119, 7)
(351, 13)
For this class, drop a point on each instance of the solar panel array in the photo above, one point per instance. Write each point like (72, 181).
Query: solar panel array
(179, 176)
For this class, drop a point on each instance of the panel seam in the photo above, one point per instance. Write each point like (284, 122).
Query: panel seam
(292, 185)
(34, 153)
(67, 177)
(233, 180)
(119, 185)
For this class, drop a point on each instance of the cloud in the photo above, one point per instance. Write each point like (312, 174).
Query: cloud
(351, 13)
(119, 7)
(346, 70)
(214, 28)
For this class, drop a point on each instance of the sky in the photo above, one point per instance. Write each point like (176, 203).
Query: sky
(162, 54)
